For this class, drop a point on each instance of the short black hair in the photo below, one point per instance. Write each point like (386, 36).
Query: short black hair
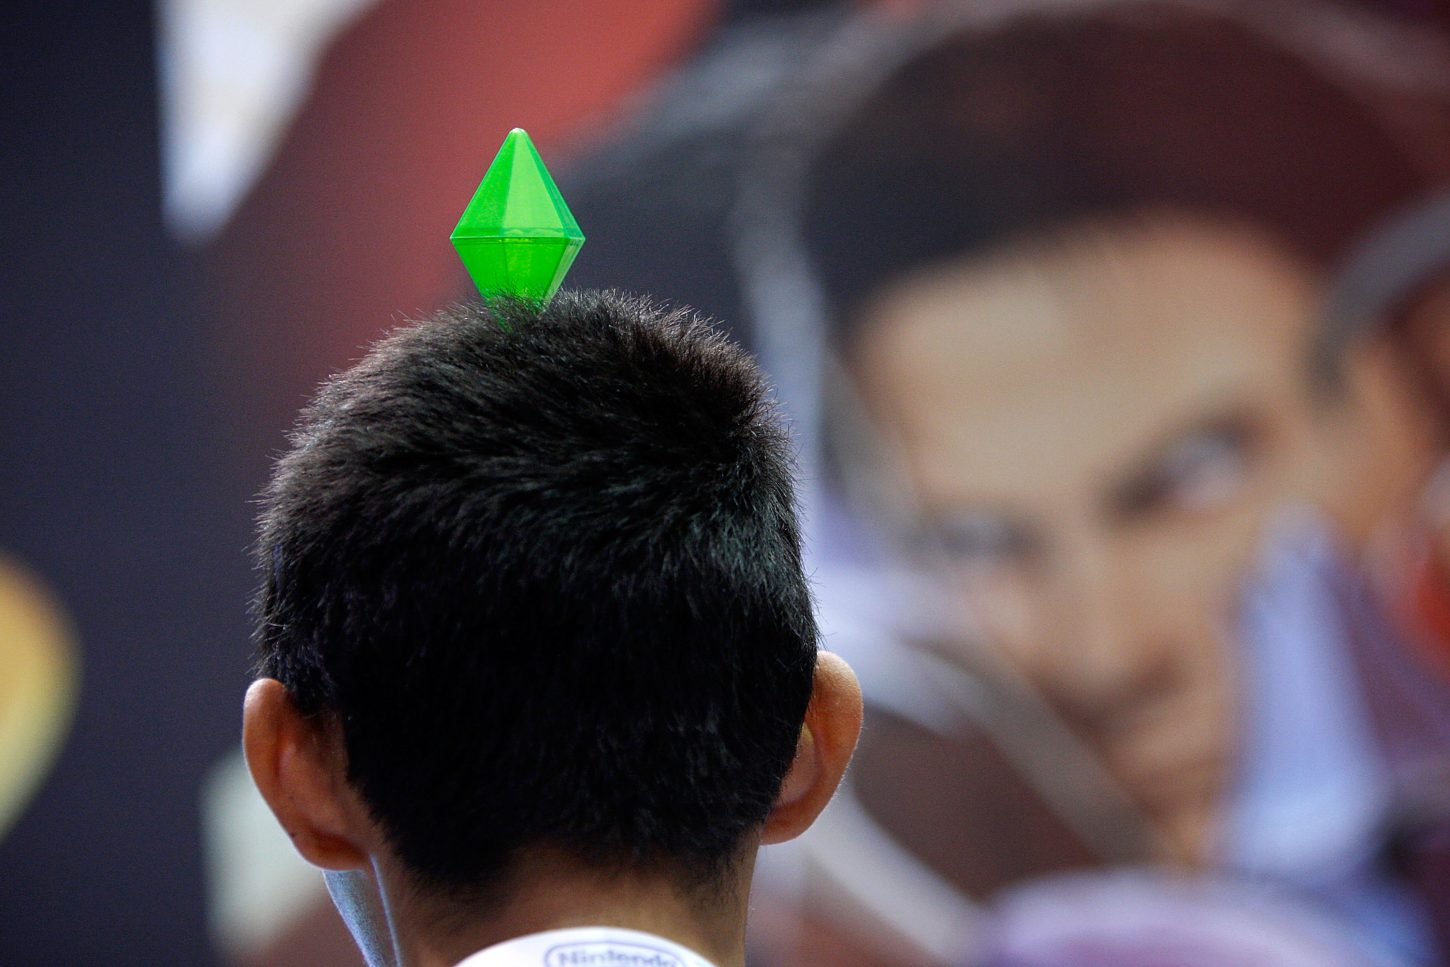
(544, 568)
(986, 139)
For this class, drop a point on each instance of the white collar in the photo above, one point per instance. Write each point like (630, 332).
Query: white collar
(587, 947)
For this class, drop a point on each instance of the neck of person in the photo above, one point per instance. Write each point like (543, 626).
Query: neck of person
(548, 890)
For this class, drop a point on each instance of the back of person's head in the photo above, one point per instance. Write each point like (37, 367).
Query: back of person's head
(542, 567)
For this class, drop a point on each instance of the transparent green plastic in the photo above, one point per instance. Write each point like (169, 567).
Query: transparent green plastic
(517, 236)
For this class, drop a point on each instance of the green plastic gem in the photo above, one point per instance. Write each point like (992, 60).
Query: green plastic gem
(517, 235)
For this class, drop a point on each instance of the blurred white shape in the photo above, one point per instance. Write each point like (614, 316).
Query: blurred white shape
(257, 884)
(233, 74)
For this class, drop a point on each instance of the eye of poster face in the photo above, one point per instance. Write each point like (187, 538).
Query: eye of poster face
(1198, 471)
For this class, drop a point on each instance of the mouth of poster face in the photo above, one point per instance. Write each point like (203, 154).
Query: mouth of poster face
(39, 675)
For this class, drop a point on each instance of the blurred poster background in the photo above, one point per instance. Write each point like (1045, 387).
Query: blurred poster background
(1115, 337)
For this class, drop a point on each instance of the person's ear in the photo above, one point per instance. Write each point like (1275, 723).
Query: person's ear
(300, 767)
(827, 739)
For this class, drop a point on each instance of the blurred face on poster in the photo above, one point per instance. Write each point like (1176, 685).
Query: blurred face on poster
(1093, 430)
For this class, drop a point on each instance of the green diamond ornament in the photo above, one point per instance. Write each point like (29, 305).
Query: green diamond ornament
(517, 235)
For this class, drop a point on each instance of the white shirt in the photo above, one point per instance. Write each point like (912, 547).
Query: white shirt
(587, 947)
(1312, 794)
